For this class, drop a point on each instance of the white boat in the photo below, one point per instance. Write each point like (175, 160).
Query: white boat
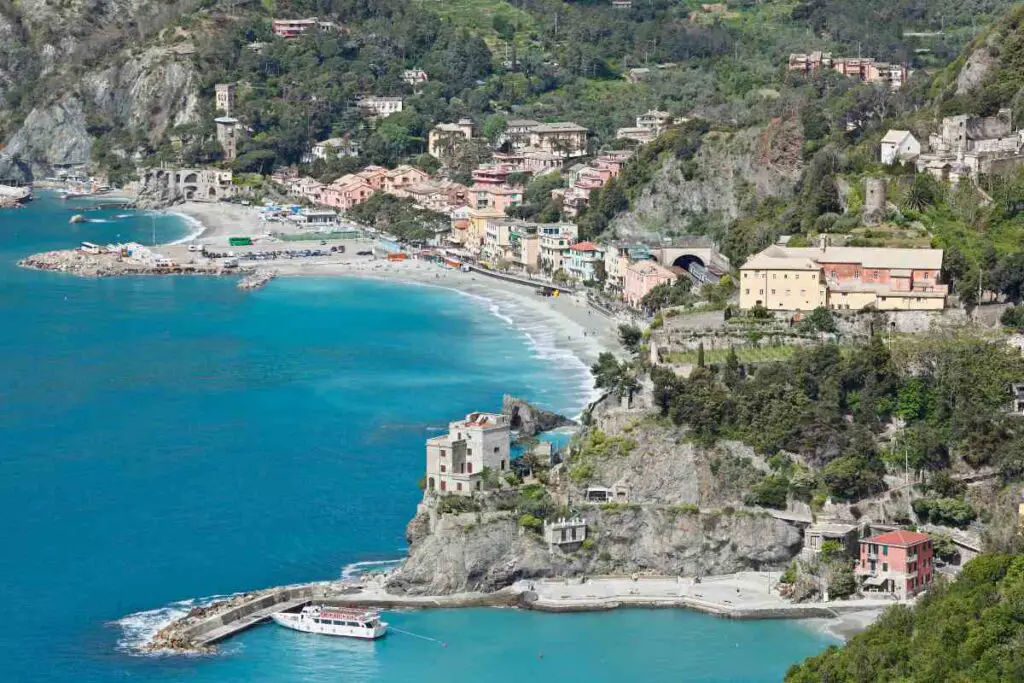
(334, 621)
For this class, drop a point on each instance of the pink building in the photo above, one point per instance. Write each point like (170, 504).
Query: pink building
(896, 562)
(642, 277)
(374, 176)
(492, 175)
(403, 177)
(293, 28)
(346, 192)
(499, 198)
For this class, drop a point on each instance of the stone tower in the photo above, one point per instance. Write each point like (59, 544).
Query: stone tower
(875, 196)
(227, 128)
(225, 97)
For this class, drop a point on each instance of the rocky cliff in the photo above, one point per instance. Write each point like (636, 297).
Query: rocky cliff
(84, 68)
(677, 510)
(729, 170)
(489, 550)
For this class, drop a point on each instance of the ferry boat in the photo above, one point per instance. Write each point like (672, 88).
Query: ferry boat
(333, 621)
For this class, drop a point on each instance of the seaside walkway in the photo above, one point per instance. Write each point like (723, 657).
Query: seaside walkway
(218, 633)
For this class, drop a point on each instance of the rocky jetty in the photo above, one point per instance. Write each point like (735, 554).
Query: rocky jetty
(528, 419)
(257, 279)
(9, 203)
(75, 262)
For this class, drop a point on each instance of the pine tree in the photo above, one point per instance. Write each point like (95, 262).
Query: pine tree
(732, 369)
(700, 355)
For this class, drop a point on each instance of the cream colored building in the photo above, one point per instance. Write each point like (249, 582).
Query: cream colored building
(444, 136)
(843, 278)
(456, 460)
(782, 283)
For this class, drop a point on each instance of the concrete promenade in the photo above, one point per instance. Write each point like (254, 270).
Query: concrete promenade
(746, 595)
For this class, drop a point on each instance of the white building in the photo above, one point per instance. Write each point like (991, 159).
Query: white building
(414, 76)
(380, 106)
(583, 260)
(334, 148)
(456, 460)
(565, 532)
(899, 145)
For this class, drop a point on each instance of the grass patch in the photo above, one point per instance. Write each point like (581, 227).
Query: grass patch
(746, 354)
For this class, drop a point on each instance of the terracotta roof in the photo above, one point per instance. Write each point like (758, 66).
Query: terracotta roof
(899, 538)
(584, 246)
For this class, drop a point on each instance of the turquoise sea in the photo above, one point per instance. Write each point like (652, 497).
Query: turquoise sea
(170, 439)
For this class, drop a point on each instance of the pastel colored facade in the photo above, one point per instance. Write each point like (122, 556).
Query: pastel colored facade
(443, 137)
(456, 460)
(584, 258)
(616, 261)
(306, 188)
(554, 251)
(865, 69)
(517, 133)
(896, 562)
(401, 177)
(492, 175)
(227, 130)
(643, 276)
(498, 199)
(346, 192)
(380, 106)
(564, 139)
(293, 28)
(899, 145)
(224, 94)
(375, 176)
(843, 278)
(476, 226)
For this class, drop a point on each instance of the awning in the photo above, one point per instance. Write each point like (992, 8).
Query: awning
(874, 581)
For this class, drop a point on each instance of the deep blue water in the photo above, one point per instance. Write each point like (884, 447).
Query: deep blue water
(163, 439)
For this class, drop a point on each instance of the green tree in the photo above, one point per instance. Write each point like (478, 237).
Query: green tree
(630, 337)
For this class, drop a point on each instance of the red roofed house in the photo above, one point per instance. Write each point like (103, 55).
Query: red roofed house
(583, 260)
(897, 562)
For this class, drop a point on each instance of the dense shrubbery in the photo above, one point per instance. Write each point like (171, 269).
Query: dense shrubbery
(399, 217)
(971, 630)
(831, 408)
(944, 511)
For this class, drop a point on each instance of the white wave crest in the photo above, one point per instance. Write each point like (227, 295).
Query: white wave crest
(195, 231)
(139, 629)
(357, 569)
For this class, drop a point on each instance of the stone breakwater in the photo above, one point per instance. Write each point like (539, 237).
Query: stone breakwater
(257, 279)
(76, 262)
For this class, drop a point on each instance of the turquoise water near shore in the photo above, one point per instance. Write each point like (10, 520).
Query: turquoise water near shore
(163, 439)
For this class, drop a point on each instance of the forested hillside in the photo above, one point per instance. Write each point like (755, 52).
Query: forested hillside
(969, 631)
(120, 62)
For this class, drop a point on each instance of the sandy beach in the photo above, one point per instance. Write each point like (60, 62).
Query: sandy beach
(573, 326)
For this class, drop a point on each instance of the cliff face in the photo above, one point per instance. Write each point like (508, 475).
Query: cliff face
(728, 170)
(682, 515)
(488, 551)
(82, 66)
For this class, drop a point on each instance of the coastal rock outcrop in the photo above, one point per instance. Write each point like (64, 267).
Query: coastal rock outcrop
(530, 420)
(490, 550)
(52, 136)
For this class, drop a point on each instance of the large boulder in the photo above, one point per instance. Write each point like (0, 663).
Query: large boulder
(528, 419)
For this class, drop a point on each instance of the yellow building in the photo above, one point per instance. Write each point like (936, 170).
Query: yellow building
(782, 284)
(843, 278)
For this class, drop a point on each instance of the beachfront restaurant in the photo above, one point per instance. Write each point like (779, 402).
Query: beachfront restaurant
(315, 219)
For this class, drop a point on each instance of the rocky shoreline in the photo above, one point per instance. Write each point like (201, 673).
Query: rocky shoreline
(76, 262)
